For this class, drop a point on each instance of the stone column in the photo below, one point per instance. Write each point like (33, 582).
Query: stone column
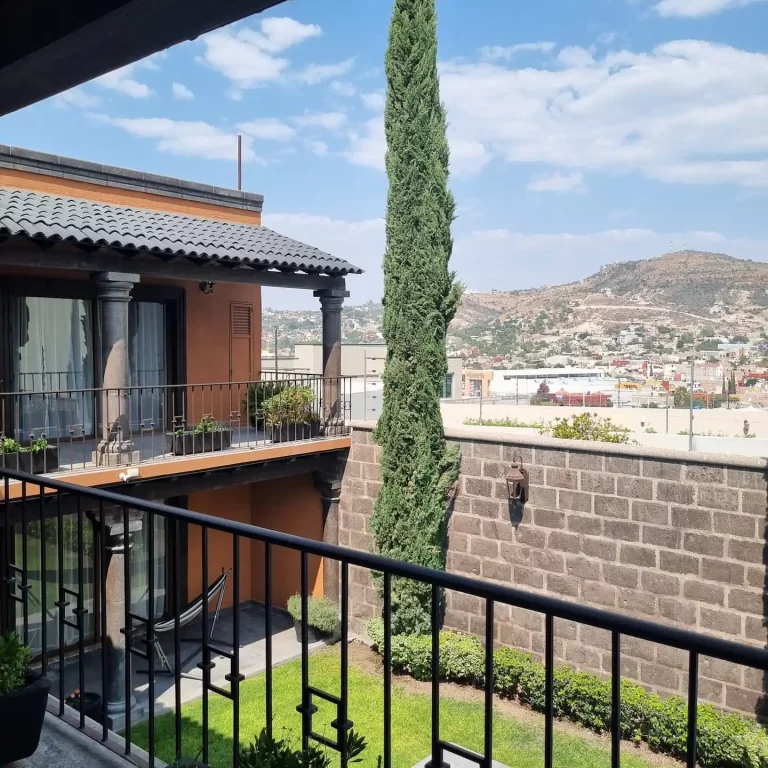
(329, 485)
(118, 545)
(331, 303)
(114, 293)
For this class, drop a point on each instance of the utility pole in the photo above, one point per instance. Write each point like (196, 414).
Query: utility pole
(275, 351)
(239, 162)
(667, 410)
(690, 408)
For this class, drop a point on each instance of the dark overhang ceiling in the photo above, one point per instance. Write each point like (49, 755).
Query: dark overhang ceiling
(48, 46)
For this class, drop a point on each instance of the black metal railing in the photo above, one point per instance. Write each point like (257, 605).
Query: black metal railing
(30, 501)
(47, 431)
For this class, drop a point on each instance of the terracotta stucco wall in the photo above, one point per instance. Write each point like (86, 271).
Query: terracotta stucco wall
(291, 505)
(41, 182)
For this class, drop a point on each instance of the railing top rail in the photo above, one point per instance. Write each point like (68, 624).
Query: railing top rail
(95, 390)
(727, 650)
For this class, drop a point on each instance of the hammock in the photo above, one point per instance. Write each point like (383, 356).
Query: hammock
(187, 616)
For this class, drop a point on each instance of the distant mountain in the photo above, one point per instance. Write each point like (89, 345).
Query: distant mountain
(686, 288)
(686, 292)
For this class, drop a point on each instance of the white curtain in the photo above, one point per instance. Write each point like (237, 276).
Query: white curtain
(53, 347)
(140, 567)
(146, 356)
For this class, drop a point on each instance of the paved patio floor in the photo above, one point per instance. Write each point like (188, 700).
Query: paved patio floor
(285, 647)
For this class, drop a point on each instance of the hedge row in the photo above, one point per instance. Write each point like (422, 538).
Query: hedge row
(724, 740)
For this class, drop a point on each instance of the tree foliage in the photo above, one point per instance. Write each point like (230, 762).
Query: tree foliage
(421, 296)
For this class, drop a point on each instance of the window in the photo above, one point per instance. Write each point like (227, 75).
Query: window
(52, 348)
(448, 386)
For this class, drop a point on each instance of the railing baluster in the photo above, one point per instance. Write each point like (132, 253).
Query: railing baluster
(234, 677)
(488, 742)
(103, 617)
(150, 518)
(206, 665)
(693, 711)
(81, 609)
(177, 634)
(437, 751)
(549, 700)
(24, 563)
(387, 670)
(615, 699)
(343, 724)
(268, 632)
(62, 604)
(43, 586)
(306, 715)
(128, 627)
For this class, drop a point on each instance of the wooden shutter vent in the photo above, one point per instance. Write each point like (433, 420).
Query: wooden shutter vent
(241, 320)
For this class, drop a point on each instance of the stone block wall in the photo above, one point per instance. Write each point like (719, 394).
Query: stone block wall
(671, 537)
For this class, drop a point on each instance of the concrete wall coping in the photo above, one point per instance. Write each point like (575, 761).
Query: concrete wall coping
(508, 436)
(17, 158)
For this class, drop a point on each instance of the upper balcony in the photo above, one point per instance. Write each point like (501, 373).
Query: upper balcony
(149, 431)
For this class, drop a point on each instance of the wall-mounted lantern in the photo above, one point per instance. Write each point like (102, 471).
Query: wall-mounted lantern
(206, 286)
(517, 481)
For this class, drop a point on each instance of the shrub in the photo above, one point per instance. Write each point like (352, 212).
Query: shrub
(9, 445)
(505, 422)
(257, 395)
(291, 405)
(14, 659)
(322, 613)
(725, 740)
(587, 426)
(269, 752)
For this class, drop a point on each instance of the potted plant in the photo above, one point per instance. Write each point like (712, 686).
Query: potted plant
(269, 752)
(256, 395)
(36, 458)
(23, 697)
(289, 415)
(322, 619)
(206, 436)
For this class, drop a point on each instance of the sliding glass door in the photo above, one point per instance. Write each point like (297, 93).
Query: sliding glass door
(52, 349)
(147, 362)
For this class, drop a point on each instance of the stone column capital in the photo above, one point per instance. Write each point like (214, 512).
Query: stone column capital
(115, 286)
(331, 299)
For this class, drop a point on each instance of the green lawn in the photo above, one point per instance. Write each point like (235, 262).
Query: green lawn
(516, 744)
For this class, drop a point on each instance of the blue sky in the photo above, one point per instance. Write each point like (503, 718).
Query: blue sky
(582, 132)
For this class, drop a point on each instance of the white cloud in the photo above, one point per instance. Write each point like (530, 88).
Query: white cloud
(558, 182)
(331, 121)
(185, 138)
(508, 52)
(122, 81)
(313, 74)
(76, 97)
(181, 92)
(319, 148)
(698, 8)
(374, 100)
(268, 128)
(688, 111)
(342, 87)
(368, 147)
(247, 56)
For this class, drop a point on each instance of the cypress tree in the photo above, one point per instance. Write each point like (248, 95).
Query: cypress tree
(421, 296)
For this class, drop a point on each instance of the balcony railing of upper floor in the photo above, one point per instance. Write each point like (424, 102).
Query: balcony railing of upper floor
(71, 429)
(131, 629)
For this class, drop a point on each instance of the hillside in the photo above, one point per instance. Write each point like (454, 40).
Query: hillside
(686, 289)
(669, 304)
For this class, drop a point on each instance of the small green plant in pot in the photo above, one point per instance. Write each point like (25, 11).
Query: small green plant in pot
(205, 436)
(289, 415)
(255, 399)
(323, 618)
(36, 458)
(23, 696)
